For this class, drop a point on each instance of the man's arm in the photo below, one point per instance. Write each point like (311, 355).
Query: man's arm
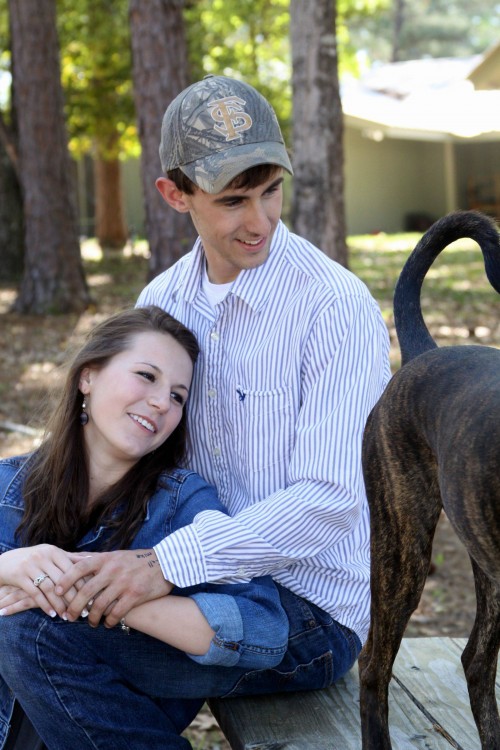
(345, 368)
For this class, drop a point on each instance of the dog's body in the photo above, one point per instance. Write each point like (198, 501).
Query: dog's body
(433, 442)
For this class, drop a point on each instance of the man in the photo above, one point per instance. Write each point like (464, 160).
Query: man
(294, 357)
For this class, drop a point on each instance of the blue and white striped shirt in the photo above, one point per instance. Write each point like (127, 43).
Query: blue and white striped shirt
(292, 361)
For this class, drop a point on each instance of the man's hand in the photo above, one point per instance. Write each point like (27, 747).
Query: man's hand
(118, 581)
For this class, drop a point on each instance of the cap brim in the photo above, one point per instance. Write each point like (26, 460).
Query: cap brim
(213, 173)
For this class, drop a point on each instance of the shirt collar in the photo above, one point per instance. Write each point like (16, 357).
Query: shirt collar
(188, 284)
(253, 286)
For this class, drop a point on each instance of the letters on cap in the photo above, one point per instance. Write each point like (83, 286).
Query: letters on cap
(218, 128)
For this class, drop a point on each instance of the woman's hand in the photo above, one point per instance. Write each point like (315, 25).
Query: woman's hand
(36, 571)
(13, 600)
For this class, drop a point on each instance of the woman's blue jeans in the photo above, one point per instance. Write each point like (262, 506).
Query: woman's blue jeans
(100, 688)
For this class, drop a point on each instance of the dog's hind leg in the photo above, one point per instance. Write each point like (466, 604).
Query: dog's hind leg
(397, 583)
(405, 505)
(479, 659)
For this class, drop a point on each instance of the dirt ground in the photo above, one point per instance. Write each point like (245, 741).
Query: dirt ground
(32, 350)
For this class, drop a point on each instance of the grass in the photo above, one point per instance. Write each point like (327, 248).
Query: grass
(458, 303)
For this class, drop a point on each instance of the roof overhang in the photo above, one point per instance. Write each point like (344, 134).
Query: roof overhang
(410, 101)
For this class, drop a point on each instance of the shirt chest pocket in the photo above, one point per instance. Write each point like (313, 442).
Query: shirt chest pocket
(265, 432)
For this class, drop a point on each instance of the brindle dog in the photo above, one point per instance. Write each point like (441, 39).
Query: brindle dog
(432, 442)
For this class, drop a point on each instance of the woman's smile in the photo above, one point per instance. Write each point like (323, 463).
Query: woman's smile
(147, 424)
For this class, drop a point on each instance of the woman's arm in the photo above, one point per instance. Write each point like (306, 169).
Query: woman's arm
(176, 620)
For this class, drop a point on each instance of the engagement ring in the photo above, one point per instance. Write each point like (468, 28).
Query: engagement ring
(39, 579)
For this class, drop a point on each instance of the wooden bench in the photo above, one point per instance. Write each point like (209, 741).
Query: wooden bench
(428, 709)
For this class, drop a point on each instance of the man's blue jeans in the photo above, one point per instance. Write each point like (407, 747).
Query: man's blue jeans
(99, 688)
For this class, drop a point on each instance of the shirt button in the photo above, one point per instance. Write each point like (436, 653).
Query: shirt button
(214, 336)
(241, 571)
(212, 393)
(216, 452)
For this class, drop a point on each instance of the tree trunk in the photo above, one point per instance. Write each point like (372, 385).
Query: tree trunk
(399, 18)
(53, 280)
(11, 221)
(110, 225)
(318, 185)
(160, 72)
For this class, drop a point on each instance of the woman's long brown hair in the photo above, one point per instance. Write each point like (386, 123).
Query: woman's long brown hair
(56, 488)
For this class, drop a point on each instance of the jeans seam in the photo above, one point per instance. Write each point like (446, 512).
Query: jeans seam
(56, 691)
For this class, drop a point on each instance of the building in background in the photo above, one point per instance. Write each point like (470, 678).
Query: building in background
(422, 138)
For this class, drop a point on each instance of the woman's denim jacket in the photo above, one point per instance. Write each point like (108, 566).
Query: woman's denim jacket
(250, 625)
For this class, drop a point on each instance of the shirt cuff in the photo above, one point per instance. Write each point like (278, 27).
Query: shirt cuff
(181, 558)
(224, 617)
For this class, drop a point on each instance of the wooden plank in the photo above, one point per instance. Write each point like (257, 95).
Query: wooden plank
(431, 671)
(293, 721)
(459, 644)
(428, 708)
(328, 718)
(318, 720)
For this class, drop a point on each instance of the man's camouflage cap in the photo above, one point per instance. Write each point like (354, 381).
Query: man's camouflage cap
(218, 128)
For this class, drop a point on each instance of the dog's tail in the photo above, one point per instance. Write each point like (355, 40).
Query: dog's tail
(413, 335)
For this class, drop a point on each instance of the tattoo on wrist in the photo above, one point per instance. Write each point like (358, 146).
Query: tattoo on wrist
(151, 563)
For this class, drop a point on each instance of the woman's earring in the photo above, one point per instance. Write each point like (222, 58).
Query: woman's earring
(84, 417)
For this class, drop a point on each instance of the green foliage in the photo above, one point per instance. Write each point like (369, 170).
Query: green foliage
(434, 28)
(245, 39)
(96, 73)
(4, 61)
(4, 26)
(360, 12)
(449, 29)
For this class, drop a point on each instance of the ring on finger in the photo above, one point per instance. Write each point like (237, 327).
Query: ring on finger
(40, 579)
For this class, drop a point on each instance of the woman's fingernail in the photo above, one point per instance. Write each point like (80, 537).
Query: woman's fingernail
(84, 613)
(2, 612)
(52, 613)
(65, 617)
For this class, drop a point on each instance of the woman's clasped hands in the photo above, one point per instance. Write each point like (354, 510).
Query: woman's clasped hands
(28, 579)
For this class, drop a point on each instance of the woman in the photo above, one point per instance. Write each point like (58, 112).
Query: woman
(107, 476)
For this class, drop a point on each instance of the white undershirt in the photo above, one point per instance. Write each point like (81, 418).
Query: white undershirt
(214, 293)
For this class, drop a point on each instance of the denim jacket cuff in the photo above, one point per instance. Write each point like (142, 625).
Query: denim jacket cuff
(224, 617)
